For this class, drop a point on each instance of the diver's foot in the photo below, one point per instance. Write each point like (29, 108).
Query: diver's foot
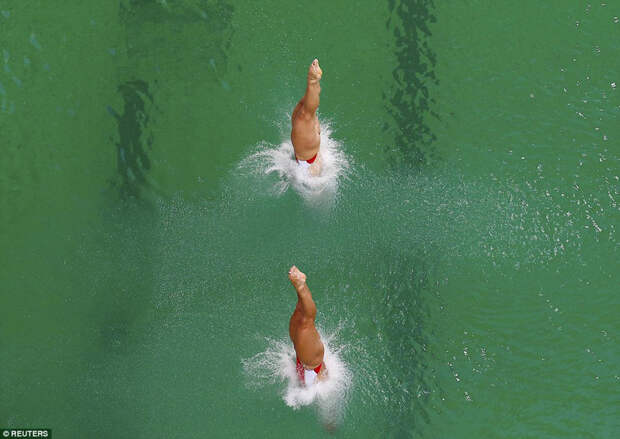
(315, 72)
(298, 279)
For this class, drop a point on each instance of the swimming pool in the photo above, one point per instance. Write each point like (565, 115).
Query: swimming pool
(465, 265)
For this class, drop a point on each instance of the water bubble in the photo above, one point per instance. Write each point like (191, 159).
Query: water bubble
(34, 42)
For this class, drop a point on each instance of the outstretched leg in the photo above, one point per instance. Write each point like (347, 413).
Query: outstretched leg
(305, 133)
(311, 99)
(305, 337)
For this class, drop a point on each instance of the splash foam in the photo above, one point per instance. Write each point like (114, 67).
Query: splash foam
(276, 365)
(269, 159)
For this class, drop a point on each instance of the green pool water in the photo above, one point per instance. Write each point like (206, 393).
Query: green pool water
(466, 266)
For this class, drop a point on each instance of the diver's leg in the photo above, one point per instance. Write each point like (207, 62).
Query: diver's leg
(313, 90)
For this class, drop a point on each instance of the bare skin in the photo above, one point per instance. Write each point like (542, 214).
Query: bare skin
(305, 337)
(305, 133)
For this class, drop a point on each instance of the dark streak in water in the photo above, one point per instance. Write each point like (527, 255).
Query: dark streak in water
(401, 316)
(133, 162)
(405, 274)
(409, 100)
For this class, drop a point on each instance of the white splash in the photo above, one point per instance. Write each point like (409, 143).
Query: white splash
(269, 159)
(276, 365)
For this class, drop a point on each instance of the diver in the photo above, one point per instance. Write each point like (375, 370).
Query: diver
(305, 132)
(308, 345)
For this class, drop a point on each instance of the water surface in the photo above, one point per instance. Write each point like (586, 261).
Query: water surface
(466, 264)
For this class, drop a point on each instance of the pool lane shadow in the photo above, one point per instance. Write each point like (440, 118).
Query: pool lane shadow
(134, 140)
(401, 316)
(409, 101)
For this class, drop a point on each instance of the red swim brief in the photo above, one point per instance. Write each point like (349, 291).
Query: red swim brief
(300, 370)
(310, 160)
